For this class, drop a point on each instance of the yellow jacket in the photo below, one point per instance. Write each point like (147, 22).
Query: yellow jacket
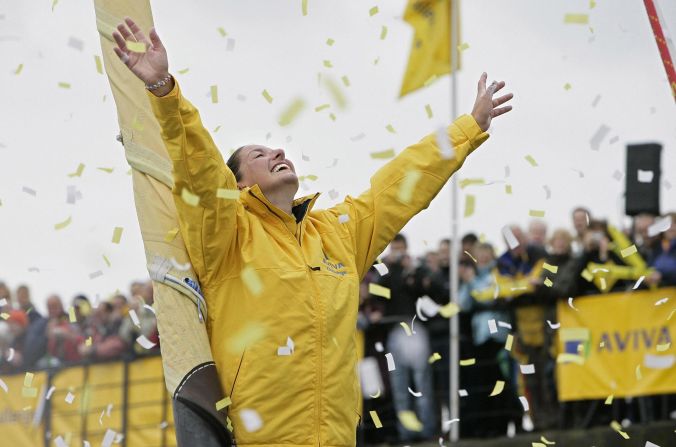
(309, 266)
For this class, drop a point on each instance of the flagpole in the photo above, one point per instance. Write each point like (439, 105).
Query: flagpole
(454, 246)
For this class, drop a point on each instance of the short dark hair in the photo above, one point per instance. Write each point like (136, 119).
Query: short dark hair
(469, 238)
(233, 163)
(400, 238)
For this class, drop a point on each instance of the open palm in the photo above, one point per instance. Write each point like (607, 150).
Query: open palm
(149, 66)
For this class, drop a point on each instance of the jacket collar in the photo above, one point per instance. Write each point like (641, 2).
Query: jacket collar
(254, 199)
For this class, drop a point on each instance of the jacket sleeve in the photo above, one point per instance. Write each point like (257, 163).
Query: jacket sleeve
(379, 213)
(208, 228)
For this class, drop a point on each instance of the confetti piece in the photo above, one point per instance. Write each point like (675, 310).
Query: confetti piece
(663, 347)
(171, 235)
(577, 19)
(531, 160)
(136, 47)
(661, 301)
(586, 274)
(452, 421)
(390, 128)
(379, 347)
(107, 170)
(69, 398)
(492, 326)
(134, 318)
(288, 349)
(230, 194)
(609, 400)
(463, 393)
(468, 362)
(409, 420)
(64, 85)
(99, 64)
(336, 93)
(375, 419)
(543, 439)
(650, 444)
(108, 438)
(214, 94)
(327, 63)
(444, 143)
(381, 268)
(78, 171)
(183, 71)
(553, 325)
(463, 46)
(62, 225)
(330, 42)
(346, 81)
(373, 11)
(570, 304)
(252, 281)
(230, 44)
(628, 251)
(303, 7)
(383, 155)
(29, 392)
(661, 224)
(322, 107)
(407, 186)
(71, 315)
(291, 112)
(508, 189)
(524, 403)
(536, 213)
(658, 361)
(428, 110)
(509, 237)
(117, 235)
(221, 404)
(144, 342)
(28, 379)
(383, 33)
(527, 369)
(598, 137)
(343, 218)
(3, 385)
(390, 362)
(406, 328)
(433, 358)
(567, 86)
(4, 316)
(267, 96)
(645, 176)
(59, 441)
(19, 69)
(88, 341)
(499, 386)
(639, 376)
(414, 393)
(449, 310)
(29, 191)
(618, 428)
(570, 358)
(509, 342)
(470, 201)
(550, 267)
(189, 198)
(548, 282)
(471, 181)
(95, 274)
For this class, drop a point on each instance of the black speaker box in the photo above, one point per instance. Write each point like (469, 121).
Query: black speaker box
(643, 179)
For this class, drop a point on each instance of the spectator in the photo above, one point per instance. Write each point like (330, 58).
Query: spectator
(5, 295)
(519, 261)
(35, 344)
(663, 257)
(564, 281)
(63, 338)
(105, 342)
(23, 299)
(147, 325)
(639, 234)
(537, 233)
(82, 310)
(581, 218)
(467, 244)
(18, 323)
(597, 250)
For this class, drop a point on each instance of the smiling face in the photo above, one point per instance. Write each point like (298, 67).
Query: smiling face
(268, 168)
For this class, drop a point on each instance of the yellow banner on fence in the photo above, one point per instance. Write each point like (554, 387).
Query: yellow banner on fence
(617, 344)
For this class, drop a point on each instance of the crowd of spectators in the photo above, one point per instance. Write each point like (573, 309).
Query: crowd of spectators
(78, 333)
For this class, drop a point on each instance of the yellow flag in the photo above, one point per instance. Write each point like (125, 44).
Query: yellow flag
(431, 48)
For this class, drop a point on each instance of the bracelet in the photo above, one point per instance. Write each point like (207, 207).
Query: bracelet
(161, 83)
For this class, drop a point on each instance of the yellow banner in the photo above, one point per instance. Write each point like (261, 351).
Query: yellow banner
(617, 344)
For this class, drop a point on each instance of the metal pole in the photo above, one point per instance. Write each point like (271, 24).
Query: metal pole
(454, 246)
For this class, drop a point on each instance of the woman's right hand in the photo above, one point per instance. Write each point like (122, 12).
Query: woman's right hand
(151, 66)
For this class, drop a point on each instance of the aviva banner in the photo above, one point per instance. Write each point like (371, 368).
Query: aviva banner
(617, 344)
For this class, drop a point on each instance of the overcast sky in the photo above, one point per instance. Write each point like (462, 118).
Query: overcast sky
(47, 131)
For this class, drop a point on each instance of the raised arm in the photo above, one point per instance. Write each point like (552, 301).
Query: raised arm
(406, 185)
(208, 223)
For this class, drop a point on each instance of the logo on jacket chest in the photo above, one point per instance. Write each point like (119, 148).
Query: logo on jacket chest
(333, 266)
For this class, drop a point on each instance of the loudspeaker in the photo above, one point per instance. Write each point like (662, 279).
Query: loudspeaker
(643, 179)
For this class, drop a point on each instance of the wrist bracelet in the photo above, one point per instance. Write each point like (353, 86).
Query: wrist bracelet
(161, 83)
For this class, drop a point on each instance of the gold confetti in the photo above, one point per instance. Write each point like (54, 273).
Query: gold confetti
(663, 347)
(19, 69)
(171, 235)
(332, 116)
(390, 128)
(4, 316)
(322, 107)
(62, 225)
(336, 93)
(252, 280)
(463, 46)
(468, 362)
(291, 112)
(471, 181)
(375, 419)
(378, 290)
(117, 235)
(567, 86)
(531, 160)
(346, 81)
(106, 260)
(628, 251)
(54, 2)
(88, 341)
(373, 11)
(509, 342)
(78, 171)
(618, 428)
(71, 315)
(409, 420)
(543, 439)
(433, 358)
(267, 96)
(330, 42)
(303, 7)
(28, 379)
(99, 64)
(327, 63)
(470, 201)
(639, 376)
(136, 47)
(470, 255)
(214, 94)
(508, 189)
(592, 4)
(407, 186)
(406, 328)
(65, 85)
(189, 198)
(383, 32)
(578, 19)
(586, 274)
(221, 31)
(536, 213)
(548, 282)
(106, 170)
(499, 386)
(245, 337)
(609, 399)
(383, 155)
(449, 310)
(231, 194)
(217, 128)
(430, 80)
(221, 404)
(29, 392)
(428, 110)
(183, 71)
(550, 267)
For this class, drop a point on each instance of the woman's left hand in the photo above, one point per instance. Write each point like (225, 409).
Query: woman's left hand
(485, 107)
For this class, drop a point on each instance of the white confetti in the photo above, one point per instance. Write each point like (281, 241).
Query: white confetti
(343, 218)
(426, 307)
(614, 139)
(596, 100)
(617, 175)
(379, 347)
(524, 403)
(527, 369)
(251, 420)
(72, 194)
(650, 444)
(444, 143)
(381, 268)
(230, 45)
(661, 224)
(598, 137)
(69, 397)
(59, 442)
(75, 43)
(504, 324)
(390, 362)
(414, 393)
(10, 356)
(50, 392)
(509, 237)
(570, 304)
(658, 361)
(492, 327)
(134, 318)
(86, 443)
(463, 393)
(109, 408)
(452, 421)
(548, 192)
(507, 171)
(358, 137)
(29, 191)
(638, 283)
(101, 417)
(241, 98)
(150, 308)
(288, 349)
(3, 302)
(333, 194)
(3, 385)
(108, 438)
(645, 176)
(144, 342)
(661, 301)
(95, 274)
(553, 325)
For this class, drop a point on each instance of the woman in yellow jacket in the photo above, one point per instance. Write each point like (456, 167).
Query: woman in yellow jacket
(280, 278)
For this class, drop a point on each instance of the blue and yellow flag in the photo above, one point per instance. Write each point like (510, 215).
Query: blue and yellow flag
(431, 48)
